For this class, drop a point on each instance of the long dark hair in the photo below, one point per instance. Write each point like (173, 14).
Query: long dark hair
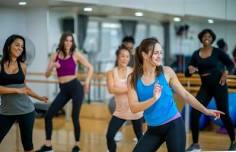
(7, 49)
(118, 51)
(61, 46)
(145, 46)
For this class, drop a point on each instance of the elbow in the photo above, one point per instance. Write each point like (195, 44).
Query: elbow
(110, 91)
(91, 68)
(134, 109)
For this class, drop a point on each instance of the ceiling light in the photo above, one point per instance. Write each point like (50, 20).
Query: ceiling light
(88, 9)
(210, 21)
(177, 19)
(22, 3)
(138, 14)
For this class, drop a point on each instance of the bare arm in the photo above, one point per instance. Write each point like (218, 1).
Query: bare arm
(29, 91)
(51, 65)
(85, 63)
(7, 90)
(110, 85)
(137, 106)
(182, 92)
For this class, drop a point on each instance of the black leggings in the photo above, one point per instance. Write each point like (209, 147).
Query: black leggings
(26, 124)
(211, 88)
(70, 90)
(173, 133)
(115, 125)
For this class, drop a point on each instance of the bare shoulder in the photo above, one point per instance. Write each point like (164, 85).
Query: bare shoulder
(23, 66)
(54, 55)
(168, 70)
(77, 53)
(110, 72)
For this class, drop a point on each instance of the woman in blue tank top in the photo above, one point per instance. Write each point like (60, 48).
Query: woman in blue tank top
(150, 90)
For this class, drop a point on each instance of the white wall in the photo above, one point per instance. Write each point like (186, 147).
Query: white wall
(30, 23)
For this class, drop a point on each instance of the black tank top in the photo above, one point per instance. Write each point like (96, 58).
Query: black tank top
(16, 78)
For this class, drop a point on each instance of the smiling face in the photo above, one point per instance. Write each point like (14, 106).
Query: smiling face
(68, 43)
(123, 58)
(16, 48)
(154, 57)
(206, 39)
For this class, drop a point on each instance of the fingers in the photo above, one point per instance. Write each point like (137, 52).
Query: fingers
(222, 81)
(217, 114)
(192, 69)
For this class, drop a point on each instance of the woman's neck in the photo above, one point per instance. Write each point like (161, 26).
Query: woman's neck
(13, 60)
(206, 47)
(149, 70)
(121, 68)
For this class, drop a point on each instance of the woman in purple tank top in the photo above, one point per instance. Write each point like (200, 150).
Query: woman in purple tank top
(65, 60)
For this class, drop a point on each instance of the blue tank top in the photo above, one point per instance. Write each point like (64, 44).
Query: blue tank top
(162, 110)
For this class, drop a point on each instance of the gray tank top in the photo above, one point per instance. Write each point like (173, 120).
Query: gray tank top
(15, 104)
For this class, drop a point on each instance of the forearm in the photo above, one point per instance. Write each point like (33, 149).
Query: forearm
(195, 103)
(89, 76)
(118, 90)
(33, 94)
(6, 90)
(48, 71)
(141, 106)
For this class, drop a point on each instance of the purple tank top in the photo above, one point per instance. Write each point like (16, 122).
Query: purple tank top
(67, 66)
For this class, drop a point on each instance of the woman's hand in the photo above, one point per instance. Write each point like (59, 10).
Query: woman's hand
(56, 65)
(192, 69)
(214, 113)
(86, 87)
(157, 91)
(44, 99)
(223, 78)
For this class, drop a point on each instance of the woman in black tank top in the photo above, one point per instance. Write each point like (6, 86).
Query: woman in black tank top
(15, 103)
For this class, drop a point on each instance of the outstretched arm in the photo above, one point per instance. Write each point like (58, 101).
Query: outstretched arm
(182, 92)
(29, 91)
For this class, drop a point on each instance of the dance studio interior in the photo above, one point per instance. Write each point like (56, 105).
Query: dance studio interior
(117, 75)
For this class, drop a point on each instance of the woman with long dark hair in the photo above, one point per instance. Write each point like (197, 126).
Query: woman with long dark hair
(150, 90)
(65, 60)
(15, 105)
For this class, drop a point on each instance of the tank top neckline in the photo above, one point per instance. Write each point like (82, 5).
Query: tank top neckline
(117, 74)
(18, 71)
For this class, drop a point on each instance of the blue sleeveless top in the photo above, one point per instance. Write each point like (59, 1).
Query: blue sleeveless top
(162, 110)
